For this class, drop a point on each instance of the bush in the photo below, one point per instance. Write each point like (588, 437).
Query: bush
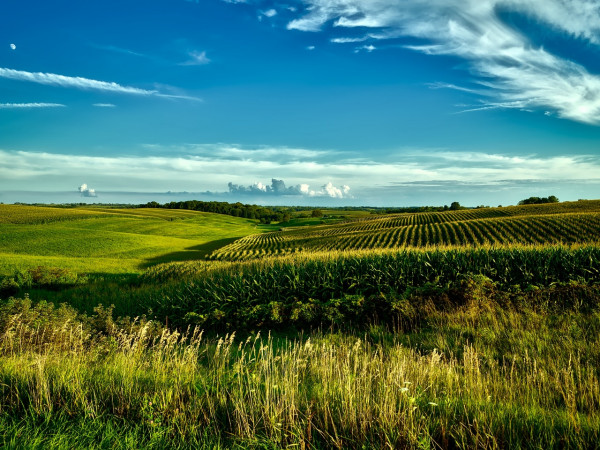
(39, 277)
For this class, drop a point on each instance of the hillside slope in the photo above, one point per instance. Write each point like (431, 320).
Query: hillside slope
(111, 240)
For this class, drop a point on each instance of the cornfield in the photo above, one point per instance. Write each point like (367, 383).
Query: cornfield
(531, 225)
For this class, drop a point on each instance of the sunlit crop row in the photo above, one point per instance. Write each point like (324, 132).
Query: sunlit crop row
(397, 233)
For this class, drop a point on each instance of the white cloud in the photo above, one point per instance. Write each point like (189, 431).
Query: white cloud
(104, 105)
(368, 48)
(30, 105)
(13, 47)
(269, 13)
(168, 169)
(196, 59)
(331, 191)
(53, 79)
(513, 70)
(86, 191)
(310, 47)
(278, 188)
(439, 85)
(74, 82)
(349, 40)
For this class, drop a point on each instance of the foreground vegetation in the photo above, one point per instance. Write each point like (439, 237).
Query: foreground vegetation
(494, 345)
(310, 291)
(479, 375)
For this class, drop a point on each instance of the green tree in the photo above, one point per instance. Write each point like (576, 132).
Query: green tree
(454, 206)
(316, 213)
(539, 200)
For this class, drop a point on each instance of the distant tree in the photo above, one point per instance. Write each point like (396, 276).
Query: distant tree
(316, 213)
(539, 200)
(454, 206)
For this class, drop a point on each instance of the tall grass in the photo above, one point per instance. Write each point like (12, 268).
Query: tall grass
(481, 376)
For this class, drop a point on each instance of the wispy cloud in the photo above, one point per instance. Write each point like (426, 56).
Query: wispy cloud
(104, 105)
(269, 13)
(367, 48)
(196, 59)
(503, 59)
(440, 85)
(30, 105)
(171, 169)
(53, 79)
(124, 51)
(349, 40)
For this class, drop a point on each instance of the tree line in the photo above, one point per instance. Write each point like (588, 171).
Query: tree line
(261, 213)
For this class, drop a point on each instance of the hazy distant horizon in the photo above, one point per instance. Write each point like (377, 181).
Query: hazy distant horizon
(465, 198)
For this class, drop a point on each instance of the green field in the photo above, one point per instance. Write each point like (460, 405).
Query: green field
(100, 240)
(155, 328)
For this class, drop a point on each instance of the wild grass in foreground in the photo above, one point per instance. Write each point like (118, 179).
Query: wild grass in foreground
(479, 375)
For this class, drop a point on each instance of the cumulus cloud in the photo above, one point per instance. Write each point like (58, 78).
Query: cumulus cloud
(13, 47)
(278, 187)
(513, 71)
(30, 105)
(53, 79)
(86, 191)
(331, 191)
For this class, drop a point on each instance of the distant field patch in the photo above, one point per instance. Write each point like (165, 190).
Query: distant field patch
(39, 214)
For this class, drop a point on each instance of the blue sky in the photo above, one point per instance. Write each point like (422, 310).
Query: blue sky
(370, 102)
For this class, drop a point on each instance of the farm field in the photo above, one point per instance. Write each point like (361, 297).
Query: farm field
(103, 240)
(532, 224)
(150, 328)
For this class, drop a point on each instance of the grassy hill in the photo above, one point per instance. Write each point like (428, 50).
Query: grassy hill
(103, 240)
